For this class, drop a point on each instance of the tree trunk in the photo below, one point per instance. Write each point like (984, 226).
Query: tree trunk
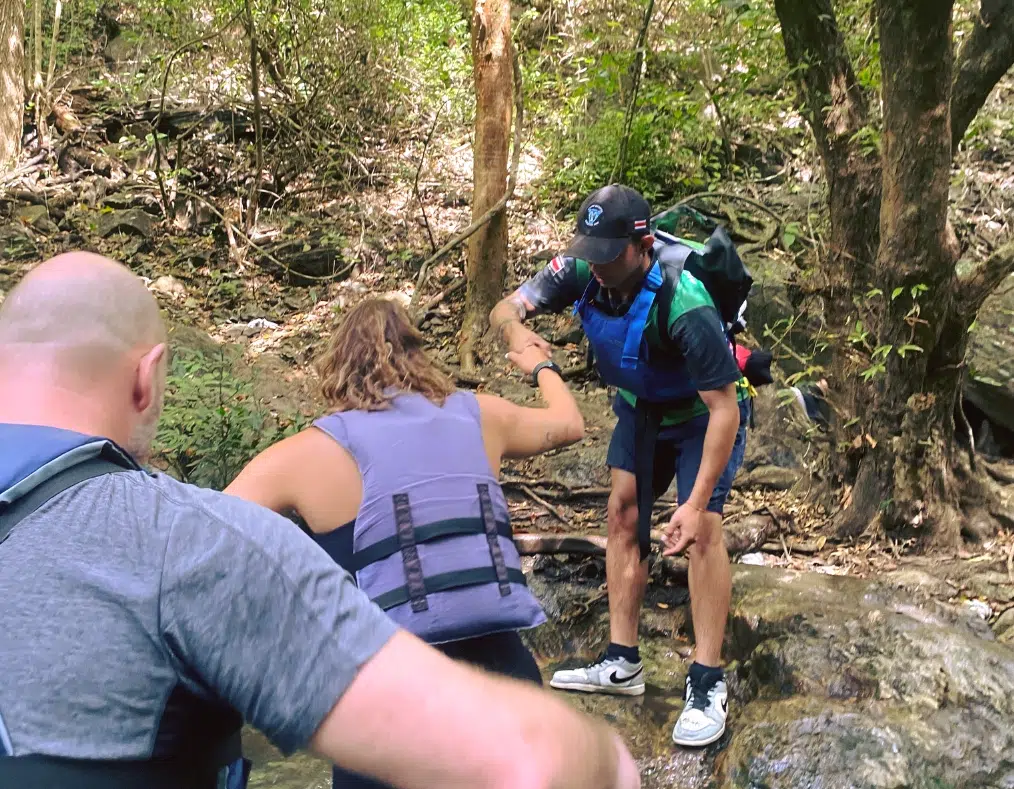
(986, 55)
(898, 428)
(12, 81)
(487, 248)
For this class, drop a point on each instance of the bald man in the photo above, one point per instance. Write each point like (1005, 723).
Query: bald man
(143, 620)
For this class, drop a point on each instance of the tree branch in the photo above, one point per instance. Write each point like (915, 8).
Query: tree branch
(986, 55)
(832, 97)
(976, 287)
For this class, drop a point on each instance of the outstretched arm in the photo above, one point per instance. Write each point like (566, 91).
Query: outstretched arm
(465, 728)
(558, 285)
(515, 431)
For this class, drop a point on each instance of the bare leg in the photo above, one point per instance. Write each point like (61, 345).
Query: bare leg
(626, 574)
(710, 591)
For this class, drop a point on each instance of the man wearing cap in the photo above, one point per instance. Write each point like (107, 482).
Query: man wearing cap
(682, 409)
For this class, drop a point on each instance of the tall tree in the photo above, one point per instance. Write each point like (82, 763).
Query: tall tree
(12, 82)
(487, 249)
(889, 284)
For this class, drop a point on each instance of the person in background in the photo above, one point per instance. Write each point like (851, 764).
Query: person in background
(144, 620)
(399, 484)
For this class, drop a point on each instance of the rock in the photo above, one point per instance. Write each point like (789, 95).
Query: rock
(918, 581)
(978, 608)
(835, 682)
(755, 559)
(771, 477)
(250, 329)
(169, 286)
(37, 216)
(132, 221)
(1004, 627)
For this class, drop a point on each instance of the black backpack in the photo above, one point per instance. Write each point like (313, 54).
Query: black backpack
(720, 269)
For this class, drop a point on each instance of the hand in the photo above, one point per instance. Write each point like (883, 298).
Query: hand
(627, 774)
(518, 337)
(528, 358)
(685, 528)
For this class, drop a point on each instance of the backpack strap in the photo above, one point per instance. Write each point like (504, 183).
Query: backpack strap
(19, 509)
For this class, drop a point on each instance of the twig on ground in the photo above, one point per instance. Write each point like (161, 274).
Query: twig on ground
(545, 504)
(455, 286)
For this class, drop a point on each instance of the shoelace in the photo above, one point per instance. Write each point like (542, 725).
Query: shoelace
(699, 698)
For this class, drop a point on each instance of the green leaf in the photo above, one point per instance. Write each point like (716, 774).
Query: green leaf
(896, 292)
(882, 351)
(788, 239)
(874, 292)
(906, 348)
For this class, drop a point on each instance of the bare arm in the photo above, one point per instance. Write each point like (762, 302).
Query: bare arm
(464, 728)
(519, 432)
(266, 480)
(506, 320)
(723, 424)
(309, 473)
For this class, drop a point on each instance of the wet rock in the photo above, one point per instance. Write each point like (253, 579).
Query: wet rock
(133, 221)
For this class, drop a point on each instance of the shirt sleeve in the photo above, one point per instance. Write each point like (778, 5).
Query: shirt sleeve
(700, 336)
(255, 612)
(557, 286)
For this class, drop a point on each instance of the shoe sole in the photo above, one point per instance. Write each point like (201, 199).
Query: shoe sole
(698, 743)
(583, 687)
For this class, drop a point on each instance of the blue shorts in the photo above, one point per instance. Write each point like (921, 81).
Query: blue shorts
(677, 453)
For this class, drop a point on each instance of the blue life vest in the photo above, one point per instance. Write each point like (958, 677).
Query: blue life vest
(199, 742)
(432, 541)
(621, 349)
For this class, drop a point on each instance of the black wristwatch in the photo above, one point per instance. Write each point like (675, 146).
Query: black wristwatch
(550, 364)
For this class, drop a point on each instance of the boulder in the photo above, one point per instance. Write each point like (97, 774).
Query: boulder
(989, 390)
(133, 221)
(834, 682)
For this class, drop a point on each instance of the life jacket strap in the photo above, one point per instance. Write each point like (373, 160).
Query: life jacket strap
(415, 582)
(447, 581)
(493, 539)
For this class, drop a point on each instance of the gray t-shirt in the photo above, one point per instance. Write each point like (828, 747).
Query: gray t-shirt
(129, 586)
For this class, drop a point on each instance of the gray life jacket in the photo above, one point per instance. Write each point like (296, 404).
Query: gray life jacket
(432, 542)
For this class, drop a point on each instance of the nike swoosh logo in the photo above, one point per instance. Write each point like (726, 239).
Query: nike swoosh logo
(616, 680)
(725, 705)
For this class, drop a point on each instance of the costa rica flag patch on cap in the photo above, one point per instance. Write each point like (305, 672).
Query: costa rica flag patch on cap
(640, 224)
(556, 264)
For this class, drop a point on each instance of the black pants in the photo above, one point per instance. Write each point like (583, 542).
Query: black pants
(500, 653)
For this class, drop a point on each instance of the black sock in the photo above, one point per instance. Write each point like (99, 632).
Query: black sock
(705, 677)
(628, 653)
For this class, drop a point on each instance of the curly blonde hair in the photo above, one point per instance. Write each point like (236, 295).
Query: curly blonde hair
(375, 354)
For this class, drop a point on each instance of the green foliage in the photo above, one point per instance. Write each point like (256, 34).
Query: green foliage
(712, 85)
(212, 424)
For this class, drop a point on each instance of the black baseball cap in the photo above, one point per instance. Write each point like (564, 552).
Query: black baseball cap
(607, 221)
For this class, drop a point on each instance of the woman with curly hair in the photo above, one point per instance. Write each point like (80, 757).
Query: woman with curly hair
(399, 484)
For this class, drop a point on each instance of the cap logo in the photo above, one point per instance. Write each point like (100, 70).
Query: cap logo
(592, 217)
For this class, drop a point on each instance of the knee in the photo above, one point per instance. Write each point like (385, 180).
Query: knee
(709, 537)
(621, 517)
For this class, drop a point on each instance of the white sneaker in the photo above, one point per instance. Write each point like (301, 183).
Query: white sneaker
(614, 675)
(702, 721)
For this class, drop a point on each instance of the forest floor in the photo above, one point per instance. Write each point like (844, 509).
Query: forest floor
(274, 285)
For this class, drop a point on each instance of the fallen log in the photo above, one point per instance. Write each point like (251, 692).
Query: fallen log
(740, 538)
